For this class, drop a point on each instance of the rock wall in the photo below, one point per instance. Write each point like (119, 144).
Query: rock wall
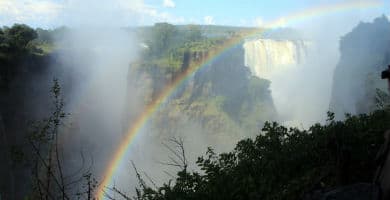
(365, 52)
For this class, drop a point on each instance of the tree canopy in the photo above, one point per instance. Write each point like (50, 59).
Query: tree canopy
(17, 37)
(14, 45)
(284, 163)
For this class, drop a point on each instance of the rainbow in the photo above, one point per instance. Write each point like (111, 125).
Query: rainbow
(169, 90)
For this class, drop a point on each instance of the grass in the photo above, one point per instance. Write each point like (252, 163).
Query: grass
(45, 47)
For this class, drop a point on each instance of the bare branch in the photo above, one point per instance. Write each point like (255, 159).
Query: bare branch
(140, 180)
(179, 159)
(117, 191)
(150, 180)
(169, 174)
(50, 172)
(79, 170)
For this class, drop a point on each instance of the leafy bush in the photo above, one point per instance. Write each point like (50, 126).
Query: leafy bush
(284, 163)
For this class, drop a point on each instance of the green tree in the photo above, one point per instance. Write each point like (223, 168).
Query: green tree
(14, 49)
(193, 33)
(284, 163)
(162, 37)
(19, 35)
(44, 35)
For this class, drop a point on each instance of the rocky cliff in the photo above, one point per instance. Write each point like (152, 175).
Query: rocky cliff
(222, 98)
(365, 52)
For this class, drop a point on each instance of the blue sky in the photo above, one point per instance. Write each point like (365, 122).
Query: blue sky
(52, 13)
(229, 11)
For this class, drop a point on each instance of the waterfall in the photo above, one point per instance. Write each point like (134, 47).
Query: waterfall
(265, 57)
(300, 75)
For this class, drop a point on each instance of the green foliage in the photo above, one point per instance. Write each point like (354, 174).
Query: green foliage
(14, 41)
(200, 45)
(167, 46)
(246, 100)
(382, 99)
(14, 47)
(18, 36)
(22, 49)
(193, 33)
(44, 48)
(47, 40)
(255, 108)
(284, 163)
(44, 35)
(162, 37)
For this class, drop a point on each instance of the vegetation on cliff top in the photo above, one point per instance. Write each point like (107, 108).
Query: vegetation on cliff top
(283, 163)
(224, 97)
(16, 46)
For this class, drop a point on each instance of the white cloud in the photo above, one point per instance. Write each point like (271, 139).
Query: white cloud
(148, 14)
(278, 23)
(208, 20)
(258, 22)
(243, 22)
(281, 22)
(169, 3)
(28, 11)
(50, 13)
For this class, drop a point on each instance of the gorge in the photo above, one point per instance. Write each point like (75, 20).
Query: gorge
(228, 99)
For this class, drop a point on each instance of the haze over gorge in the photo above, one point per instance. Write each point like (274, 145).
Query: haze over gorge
(128, 100)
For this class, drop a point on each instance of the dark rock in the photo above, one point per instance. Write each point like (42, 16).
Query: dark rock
(364, 53)
(358, 191)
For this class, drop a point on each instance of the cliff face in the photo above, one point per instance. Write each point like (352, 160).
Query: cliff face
(18, 104)
(267, 56)
(365, 52)
(244, 94)
(222, 98)
(24, 97)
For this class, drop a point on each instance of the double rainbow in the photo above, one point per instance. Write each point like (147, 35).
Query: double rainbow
(169, 90)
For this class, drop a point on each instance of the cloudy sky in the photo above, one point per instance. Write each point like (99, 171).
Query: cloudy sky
(52, 13)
